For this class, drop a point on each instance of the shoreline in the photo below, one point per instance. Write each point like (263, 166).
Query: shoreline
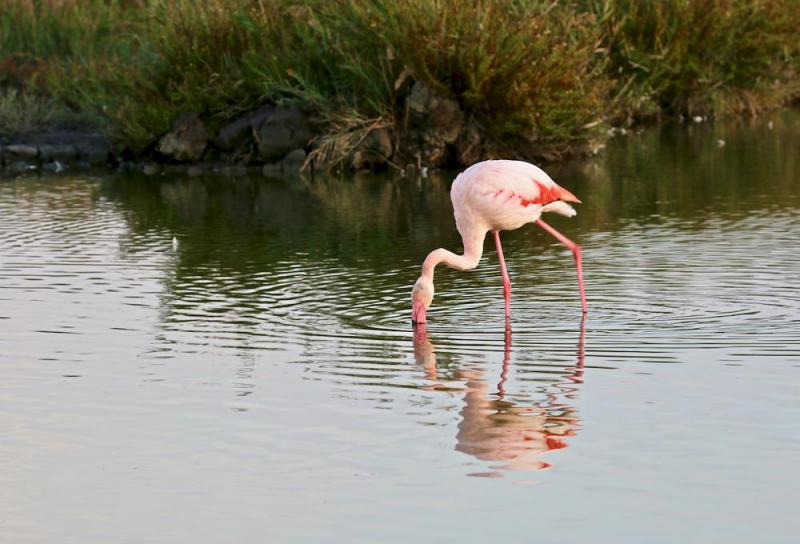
(62, 150)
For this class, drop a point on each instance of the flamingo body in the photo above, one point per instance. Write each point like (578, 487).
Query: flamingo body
(503, 195)
(496, 195)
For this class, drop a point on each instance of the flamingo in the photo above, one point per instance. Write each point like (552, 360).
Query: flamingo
(492, 196)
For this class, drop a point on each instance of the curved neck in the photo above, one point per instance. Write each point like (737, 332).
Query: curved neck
(473, 249)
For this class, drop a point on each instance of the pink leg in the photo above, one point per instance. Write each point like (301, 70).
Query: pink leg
(576, 252)
(506, 280)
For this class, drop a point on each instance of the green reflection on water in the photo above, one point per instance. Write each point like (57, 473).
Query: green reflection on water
(385, 221)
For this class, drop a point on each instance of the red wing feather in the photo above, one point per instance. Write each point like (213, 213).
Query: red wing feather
(548, 194)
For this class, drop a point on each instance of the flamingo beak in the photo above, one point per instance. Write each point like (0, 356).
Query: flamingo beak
(418, 312)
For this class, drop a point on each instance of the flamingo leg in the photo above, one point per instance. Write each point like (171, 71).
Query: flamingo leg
(506, 279)
(576, 252)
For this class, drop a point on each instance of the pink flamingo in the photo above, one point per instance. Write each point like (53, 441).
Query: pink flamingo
(493, 196)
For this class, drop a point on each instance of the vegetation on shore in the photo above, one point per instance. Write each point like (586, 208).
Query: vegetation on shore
(531, 76)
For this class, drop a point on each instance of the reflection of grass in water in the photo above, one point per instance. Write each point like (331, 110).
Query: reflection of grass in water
(359, 241)
(234, 222)
(529, 73)
(387, 223)
(684, 172)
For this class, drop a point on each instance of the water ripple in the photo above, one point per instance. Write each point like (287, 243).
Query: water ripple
(79, 269)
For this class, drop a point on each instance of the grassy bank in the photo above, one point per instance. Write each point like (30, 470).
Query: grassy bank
(529, 75)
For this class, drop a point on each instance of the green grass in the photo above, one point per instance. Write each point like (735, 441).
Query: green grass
(700, 57)
(530, 74)
(27, 113)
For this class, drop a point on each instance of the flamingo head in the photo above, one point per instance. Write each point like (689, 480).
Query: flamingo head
(421, 298)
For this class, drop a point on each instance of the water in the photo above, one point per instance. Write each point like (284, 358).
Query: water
(261, 381)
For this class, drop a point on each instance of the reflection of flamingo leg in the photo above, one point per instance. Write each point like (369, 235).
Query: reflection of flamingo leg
(501, 386)
(494, 429)
(506, 279)
(582, 342)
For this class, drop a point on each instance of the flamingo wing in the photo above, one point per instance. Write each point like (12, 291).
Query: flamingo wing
(505, 183)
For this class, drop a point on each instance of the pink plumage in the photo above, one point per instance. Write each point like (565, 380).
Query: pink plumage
(493, 196)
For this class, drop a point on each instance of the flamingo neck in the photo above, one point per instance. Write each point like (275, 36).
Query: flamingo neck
(473, 249)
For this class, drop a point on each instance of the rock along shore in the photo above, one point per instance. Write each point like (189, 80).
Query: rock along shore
(433, 132)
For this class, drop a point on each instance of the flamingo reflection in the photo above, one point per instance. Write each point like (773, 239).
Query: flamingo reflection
(495, 429)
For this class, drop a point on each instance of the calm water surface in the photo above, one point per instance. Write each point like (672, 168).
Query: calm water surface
(260, 381)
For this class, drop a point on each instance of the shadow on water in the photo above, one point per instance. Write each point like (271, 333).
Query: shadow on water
(510, 435)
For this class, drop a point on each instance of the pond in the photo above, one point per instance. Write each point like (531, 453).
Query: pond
(259, 379)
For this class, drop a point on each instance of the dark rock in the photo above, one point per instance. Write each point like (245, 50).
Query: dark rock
(233, 134)
(272, 131)
(75, 146)
(417, 102)
(20, 151)
(94, 152)
(274, 142)
(292, 163)
(468, 145)
(294, 160)
(374, 150)
(241, 130)
(186, 141)
(283, 130)
(435, 125)
(61, 152)
(440, 116)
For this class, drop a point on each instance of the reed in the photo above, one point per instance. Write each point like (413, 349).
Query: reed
(529, 74)
(700, 57)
